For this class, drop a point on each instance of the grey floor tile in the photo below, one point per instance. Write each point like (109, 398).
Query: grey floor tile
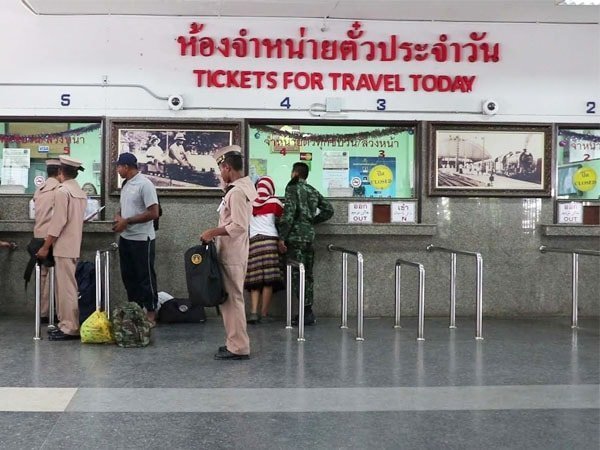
(532, 429)
(517, 352)
(20, 430)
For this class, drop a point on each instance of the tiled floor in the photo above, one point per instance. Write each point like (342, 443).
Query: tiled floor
(529, 384)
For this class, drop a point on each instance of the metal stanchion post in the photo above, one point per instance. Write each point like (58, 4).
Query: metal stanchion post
(479, 311)
(107, 283)
(301, 303)
(344, 323)
(420, 332)
(453, 291)
(575, 288)
(98, 274)
(38, 301)
(360, 300)
(288, 311)
(51, 297)
(397, 302)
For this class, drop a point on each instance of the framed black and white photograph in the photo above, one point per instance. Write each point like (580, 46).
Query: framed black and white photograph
(176, 157)
(490, 160)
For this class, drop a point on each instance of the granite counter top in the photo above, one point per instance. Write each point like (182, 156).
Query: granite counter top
(383, 229)
(571, 230)
(26, 226)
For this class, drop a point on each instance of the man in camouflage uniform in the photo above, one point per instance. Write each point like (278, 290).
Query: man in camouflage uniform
(304, 208)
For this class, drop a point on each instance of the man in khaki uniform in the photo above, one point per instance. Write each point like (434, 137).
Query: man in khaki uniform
(232, 248)
(64, 234)
(43, 199)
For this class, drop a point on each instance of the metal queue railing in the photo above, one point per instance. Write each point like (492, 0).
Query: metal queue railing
(359, 289)
(102, 288)
(479, 288)
(421, 326)
(574, 273)
(103, 276)
(38, 299)
(301, 292)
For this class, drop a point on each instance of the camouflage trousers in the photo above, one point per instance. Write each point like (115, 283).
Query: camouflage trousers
(302, 252)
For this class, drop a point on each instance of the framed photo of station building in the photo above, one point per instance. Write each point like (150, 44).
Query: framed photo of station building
(490, 160)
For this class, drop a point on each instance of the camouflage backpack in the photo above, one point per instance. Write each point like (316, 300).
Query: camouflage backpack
(130, 326)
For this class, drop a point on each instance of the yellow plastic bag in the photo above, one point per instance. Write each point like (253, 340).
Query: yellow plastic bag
(96, 329)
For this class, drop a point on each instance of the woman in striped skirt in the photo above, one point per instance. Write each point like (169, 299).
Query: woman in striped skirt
(264, 271)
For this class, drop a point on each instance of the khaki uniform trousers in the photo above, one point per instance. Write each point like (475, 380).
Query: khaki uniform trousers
(233, 310)
(67, 307)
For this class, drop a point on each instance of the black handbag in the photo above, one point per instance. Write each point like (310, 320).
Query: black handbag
(181, 310)
(203, 276)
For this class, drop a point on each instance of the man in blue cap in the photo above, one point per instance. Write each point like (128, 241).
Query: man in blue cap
(134, 220)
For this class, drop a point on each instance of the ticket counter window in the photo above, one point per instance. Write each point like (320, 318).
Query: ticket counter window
(346, 161)
(25, 146)
(578, 176)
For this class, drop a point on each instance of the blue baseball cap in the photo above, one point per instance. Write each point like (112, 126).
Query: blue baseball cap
(126, 159)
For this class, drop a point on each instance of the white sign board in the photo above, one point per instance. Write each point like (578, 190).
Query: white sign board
(570, 213)
(15, 167)
(403, 212)
(360, 212)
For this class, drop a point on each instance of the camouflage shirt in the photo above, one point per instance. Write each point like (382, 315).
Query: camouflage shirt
(300, 212)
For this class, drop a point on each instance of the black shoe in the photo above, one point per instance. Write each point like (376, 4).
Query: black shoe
(223, 348)
(309, 319)
(60, 336)
(223, 353)
(253, 318)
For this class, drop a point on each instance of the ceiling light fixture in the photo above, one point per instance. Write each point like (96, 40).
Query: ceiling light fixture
(578, 3)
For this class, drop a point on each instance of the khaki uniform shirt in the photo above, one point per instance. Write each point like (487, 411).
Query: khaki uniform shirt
(67, 221)
(43, 199)
(234, 214)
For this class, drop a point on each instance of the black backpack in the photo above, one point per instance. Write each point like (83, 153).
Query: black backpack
(203, 276)
(85, 274)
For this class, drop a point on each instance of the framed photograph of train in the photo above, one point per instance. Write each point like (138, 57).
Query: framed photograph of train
(490, 160)
(176, 156)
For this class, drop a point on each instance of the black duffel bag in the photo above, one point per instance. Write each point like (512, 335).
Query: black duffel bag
(203, 276)
(181, 310)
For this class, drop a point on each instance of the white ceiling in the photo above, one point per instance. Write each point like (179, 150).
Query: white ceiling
(411, 10)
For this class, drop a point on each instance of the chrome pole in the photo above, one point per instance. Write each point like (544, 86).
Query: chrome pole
(360, 300)
(51, 297)
(479, 311)
(107, 283)
(38, 301)
(344, 323)
(301, 303)
(288, 295)
(453, 291)
(575, 288)
(397, 304)
(98, 273)
(421, 303)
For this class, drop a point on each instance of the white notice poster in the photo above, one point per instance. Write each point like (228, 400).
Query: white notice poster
(15, 166)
